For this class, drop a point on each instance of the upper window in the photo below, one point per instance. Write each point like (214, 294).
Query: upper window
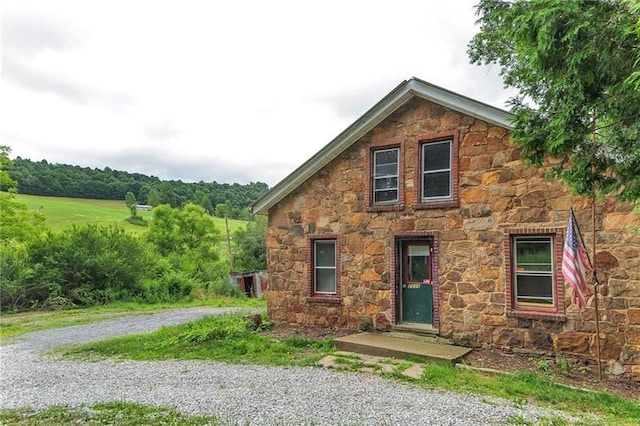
(533, 272)
(385, 175)
(436, 177)
(324, 273)
(534, 284)
(436, 160)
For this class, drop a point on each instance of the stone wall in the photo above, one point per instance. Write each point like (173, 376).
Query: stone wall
(496, 192)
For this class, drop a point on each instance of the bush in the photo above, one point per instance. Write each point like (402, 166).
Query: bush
(91, 264)
(24, 285)
(224, 287)
(170, 287)
(137, 220)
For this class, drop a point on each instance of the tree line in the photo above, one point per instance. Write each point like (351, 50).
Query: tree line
(63, 180)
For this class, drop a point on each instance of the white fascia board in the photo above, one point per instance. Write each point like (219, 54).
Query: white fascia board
(461, 103)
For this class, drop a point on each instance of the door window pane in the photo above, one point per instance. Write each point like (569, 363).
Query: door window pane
(418, 264)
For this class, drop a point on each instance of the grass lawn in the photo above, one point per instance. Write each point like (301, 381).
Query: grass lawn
(114, 413)
(16, 324)
(64, 212)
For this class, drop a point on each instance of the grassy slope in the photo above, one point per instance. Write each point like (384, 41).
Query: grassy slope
(63, 212)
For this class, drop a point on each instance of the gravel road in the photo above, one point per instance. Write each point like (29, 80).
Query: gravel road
(240, 394)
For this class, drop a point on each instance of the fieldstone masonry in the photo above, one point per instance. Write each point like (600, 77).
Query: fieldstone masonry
(496, 192)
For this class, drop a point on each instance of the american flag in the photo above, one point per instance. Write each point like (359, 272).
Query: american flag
(575, 263)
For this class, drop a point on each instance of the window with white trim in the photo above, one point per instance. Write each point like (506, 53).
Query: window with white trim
(533, 270)
(436, 168)
(385, 175)
(324, 267)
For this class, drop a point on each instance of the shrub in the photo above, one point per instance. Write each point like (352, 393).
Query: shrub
(24, 285)
(170, 287)
(92, 264)
(224, 287)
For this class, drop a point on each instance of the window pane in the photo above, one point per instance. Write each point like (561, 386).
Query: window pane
(418, 250)
(436, 156)
(534, 289)
(385, 175)
(418, 268)
(386, 170)
(436, 185)
(326, 280)
(386, 195)
(386, 183)
(325, 253)
(533, 255)
(389, 156)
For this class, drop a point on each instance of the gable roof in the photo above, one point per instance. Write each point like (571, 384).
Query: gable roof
(370, 119)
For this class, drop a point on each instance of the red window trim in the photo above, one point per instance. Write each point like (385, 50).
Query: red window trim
(312, 296)
(385, 207)
(555, 313)
(454, 200)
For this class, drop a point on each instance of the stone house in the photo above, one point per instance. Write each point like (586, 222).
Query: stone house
(421, 215)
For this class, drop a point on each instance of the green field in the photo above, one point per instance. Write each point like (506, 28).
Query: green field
(63, 212)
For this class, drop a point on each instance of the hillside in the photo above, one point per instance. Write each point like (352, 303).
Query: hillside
(63, 180)
(63, 212)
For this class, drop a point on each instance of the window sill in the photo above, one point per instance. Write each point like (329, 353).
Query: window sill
(385, 208)
(333, 300)
(439, 204)
(545, 316)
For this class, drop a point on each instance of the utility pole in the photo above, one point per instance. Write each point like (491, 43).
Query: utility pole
(226, 223)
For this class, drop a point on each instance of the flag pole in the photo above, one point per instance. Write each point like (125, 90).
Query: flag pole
(596, 282)
(595, 277)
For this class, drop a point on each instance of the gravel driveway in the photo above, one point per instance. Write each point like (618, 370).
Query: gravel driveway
(244, 394)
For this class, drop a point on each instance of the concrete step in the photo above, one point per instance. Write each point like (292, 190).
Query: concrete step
(385, 345)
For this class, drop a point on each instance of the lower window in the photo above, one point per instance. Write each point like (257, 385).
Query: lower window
(533, 272)
(534, 284)
(324, 267)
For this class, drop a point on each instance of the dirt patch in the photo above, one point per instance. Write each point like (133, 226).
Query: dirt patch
(287, 331)
(568, 371)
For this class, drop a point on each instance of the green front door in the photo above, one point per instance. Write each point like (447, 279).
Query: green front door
(416, 288)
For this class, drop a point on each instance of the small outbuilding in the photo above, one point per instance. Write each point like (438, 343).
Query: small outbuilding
(251, 283)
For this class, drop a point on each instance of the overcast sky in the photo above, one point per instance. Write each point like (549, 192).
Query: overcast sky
(231, 91)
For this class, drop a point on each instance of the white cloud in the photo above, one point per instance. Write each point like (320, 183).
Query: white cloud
(227, 91)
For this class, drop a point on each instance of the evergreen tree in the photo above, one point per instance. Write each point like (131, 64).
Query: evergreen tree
(572, 63)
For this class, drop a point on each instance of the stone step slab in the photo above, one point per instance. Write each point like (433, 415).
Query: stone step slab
(384, 345)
